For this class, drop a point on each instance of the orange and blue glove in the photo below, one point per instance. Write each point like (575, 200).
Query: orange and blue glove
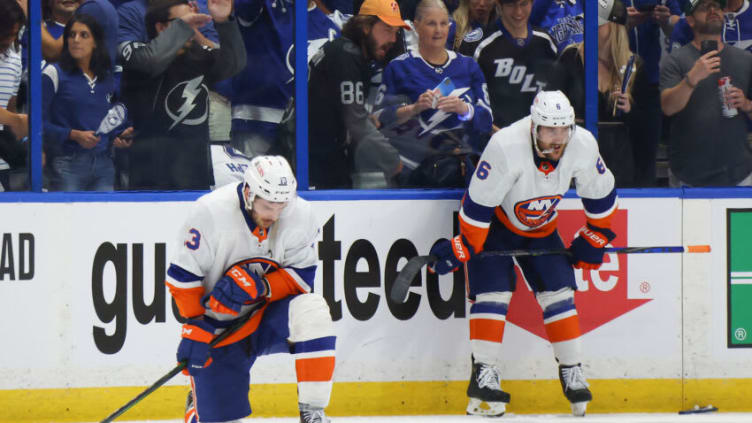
(450, 254)
(589, 245)
(238, 287)
(194, 347)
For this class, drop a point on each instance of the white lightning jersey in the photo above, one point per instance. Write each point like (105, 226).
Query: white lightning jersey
(220, 233)
(522, 191)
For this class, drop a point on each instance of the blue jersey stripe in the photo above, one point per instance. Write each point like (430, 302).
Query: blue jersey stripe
(319, 344)
(476, 211)
(600, 205)
(181, 275)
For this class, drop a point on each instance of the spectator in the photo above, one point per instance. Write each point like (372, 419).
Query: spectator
(563, 20)
(516, 60)
(434, 126)
(106, 16)
(647, 20)
(737, 26)
(342, 138)
(472, 17)
(261, 91)
(707, 148)
(76, 95)
(616, 120)
(59, 12)
(12, 19)
(131, 26)
(165, 87)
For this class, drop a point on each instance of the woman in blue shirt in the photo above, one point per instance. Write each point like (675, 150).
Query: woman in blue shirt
(77, 93)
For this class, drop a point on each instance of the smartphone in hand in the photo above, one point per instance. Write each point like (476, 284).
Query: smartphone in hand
(706, 46)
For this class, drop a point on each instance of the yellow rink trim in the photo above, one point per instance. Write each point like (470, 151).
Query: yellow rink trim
(382, 398)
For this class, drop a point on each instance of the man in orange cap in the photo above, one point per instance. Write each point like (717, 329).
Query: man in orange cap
(344, 144)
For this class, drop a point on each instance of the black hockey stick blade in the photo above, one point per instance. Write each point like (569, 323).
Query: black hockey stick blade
(405, 278)
(698, 410)
(177, 369)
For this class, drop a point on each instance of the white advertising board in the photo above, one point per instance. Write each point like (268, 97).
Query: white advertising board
(78, 282)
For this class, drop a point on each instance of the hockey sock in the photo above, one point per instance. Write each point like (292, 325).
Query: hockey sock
(562, 324)
(487, 319)
(314, 367)
(313, 348)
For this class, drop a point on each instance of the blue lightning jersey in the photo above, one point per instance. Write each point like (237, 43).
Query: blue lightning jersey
(737, 29)
(562, 20)
(408, 76)
(261, 91)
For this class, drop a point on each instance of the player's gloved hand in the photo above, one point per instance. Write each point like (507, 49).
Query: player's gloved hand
(238, 287)
(451, 254)
(587, 248)
(194, 347)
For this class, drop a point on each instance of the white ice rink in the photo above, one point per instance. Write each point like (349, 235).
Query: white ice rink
(527, 418)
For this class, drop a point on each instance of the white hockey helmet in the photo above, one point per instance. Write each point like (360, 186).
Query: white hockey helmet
(551, 108)
(271, 178)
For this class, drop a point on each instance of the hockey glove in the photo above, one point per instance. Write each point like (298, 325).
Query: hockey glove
(238, 287)
(451, 254)
(194, 347)
(588, 246)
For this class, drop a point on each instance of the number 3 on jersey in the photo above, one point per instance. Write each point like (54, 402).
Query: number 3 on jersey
(483, 168)
(195, 241)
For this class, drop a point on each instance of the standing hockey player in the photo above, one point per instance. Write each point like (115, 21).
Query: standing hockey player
(249, 248)
(500, 211)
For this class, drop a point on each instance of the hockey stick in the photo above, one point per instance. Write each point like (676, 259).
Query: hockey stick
(411, 270)
(217, 339)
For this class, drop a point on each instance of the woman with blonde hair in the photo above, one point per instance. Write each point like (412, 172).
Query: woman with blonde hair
(433, 103)
(615, 97)
(471, 18)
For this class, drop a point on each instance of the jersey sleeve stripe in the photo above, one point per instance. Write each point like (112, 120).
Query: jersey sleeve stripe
(182, 277)
(475, 214)
(188, 300)
(599, 212)
(484, 43)
(286, 282)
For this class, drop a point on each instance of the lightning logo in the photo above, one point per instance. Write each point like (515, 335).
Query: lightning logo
(191, 90)
(440, 116)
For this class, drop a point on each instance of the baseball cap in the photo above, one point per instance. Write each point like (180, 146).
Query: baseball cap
(692, 5)
(386, 10)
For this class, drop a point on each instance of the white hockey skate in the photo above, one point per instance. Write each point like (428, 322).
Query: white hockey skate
(575, 388)
(485, 387)
(309, 414)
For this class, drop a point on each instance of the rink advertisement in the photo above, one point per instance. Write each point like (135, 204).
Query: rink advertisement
(86, 282)
(739, 223)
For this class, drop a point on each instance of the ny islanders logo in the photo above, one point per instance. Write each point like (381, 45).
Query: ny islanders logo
(537, 211)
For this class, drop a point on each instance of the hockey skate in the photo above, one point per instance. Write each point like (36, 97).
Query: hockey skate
(575, 388)
(309, 414)
(485, 386)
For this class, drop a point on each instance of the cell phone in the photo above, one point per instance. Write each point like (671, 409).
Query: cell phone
(707, 46)
(445, 87)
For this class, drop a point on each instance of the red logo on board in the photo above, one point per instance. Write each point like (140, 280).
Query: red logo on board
(605, 298)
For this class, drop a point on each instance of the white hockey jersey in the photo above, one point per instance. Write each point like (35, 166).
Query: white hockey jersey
(522, 191)
(220, 233)
(228, 164)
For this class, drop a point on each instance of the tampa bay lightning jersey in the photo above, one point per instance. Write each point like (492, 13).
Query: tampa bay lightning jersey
(564, 20)
(737, 29)
(515, 70)
(261, 91)
(408, 76)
